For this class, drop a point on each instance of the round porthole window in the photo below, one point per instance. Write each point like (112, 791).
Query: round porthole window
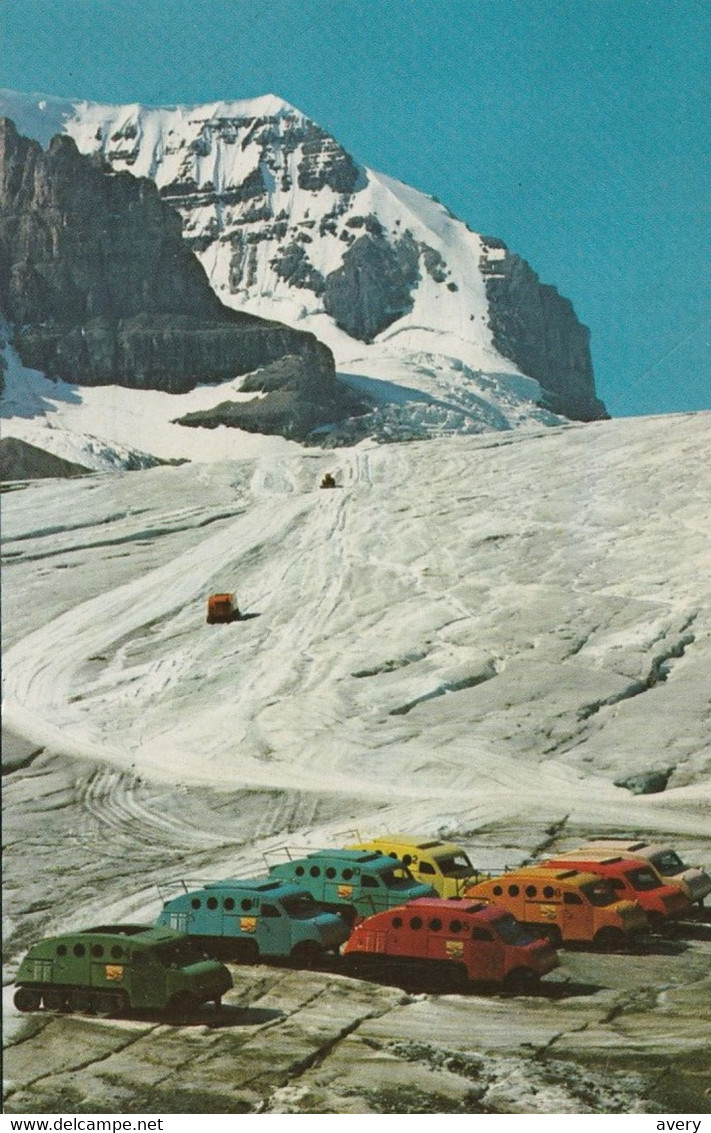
(548, 890)
(397, 922)
(330, 872)
(61, 949)
(514, 890)
(347, 874)
(531, 891)
(415, 922)
(196, 902)
(97, 951)
(212, 902)
(435, 924)
(455, 926)
(246, 904)
(116, 952)
(229, 903)
(299, 871)
(79, 950)
(315, 871)
(497, 890)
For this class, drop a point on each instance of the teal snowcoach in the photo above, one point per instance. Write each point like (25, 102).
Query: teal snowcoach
(258, 918)
(114, 968)
(358, 883)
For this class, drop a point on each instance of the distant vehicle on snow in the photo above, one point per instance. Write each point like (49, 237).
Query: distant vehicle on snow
(221, 608)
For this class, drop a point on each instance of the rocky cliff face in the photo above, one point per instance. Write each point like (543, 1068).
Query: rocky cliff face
(537, 329)
(102, 288)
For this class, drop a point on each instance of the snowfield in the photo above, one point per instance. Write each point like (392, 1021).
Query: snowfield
(484, 626)
(475, 636)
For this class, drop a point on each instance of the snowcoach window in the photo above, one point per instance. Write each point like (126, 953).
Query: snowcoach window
(599, 893)
(511, 932)
(330, 872)
(299, 871)
(369, 882)
(548, 891)
(643, 879)
(479, 933)
(346, 874)
(212, 902)
(572, 899)
(245, 903)
(117, 952)
(229, 903)
(97, 951)
(176, 953)
(396, 879)
(455, 926)
(300, 905)
(456, 865)
(196, 902)
(425, 867)
(668, 861)
(531, 891)
(270, 911)
(435, 924)
(513, 890)
(79, 949)
(315, 871)
(397, 922)
(498, 890)
(415, 922)
(61, 949)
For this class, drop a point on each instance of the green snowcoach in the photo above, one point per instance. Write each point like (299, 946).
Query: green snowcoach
(114, 968)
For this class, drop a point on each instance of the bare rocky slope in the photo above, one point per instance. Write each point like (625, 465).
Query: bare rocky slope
(102, 289)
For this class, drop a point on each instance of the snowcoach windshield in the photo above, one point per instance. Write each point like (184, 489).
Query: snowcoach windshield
(512, 932)
(667, 861)
(599, 893)
(643, 879)
(300, 905)
(397, 879)
(178, 953)
(455, 865)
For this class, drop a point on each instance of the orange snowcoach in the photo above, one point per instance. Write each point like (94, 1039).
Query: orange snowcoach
(469, 940)
(565, 905)
(221, 608)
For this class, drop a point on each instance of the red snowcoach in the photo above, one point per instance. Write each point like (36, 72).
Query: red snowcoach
(472, 941)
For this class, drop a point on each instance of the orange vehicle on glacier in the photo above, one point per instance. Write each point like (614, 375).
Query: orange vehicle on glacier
(221, 608)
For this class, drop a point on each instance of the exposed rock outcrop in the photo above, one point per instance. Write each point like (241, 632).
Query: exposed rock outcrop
(373, 287)
(538, 329)
(22, 461)
(296, 404)
(102, 288)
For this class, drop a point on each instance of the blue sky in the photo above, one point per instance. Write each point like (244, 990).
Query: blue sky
(575, 130)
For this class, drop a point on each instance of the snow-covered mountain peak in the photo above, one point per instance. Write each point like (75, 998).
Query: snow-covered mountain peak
(290, 227)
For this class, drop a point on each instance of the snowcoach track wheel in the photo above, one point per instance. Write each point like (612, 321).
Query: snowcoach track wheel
(27, 999)
(55, 999)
